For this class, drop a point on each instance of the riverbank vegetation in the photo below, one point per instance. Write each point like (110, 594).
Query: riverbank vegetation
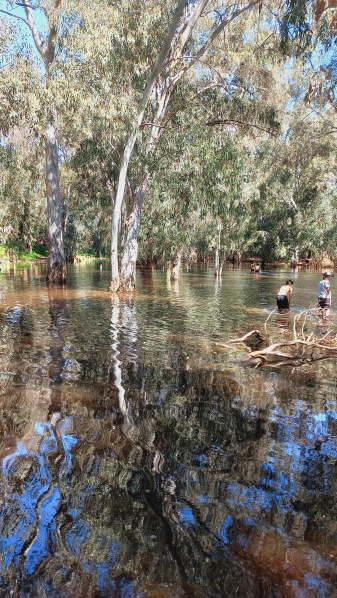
(168, 131)
(16, 252)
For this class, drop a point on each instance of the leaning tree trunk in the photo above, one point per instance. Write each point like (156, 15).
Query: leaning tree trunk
(170, 80)
(158, 67)
(116, 212)
(129, 260)
(57, 270)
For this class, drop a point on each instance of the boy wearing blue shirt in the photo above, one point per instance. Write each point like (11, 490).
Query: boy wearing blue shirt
(324, 293)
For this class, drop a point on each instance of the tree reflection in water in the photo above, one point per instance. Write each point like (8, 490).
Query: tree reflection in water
(125, 477)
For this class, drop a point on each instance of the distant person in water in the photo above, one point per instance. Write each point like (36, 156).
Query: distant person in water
(283, 297)
(324, 294)
(256, 268)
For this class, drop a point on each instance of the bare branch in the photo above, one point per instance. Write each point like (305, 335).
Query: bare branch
(264, 41)
(32, 26)
(14, 16)
(241, 123)
(294, 352)
(5, 66)
(242, 339)
(151, 125)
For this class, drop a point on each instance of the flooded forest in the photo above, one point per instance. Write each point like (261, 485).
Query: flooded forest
(165, 432)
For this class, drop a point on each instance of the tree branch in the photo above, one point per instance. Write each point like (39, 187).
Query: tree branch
(32, 26)
(293, 352)
(264, 41)
(151, 125)
(14, 16)
(212, 37)
(238, 122)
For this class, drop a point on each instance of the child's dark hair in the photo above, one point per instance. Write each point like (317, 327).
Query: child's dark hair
(290, 282)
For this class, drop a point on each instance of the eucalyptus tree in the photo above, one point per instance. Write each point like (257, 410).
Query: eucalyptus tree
(46, 44)
(296, 188)
(96, 109)
(21, 191)
(177, 56)
(91, 181)
(196, 191)
(187, 50)
(287, 152)
(205, 161)
(310, 33)
(22, 171)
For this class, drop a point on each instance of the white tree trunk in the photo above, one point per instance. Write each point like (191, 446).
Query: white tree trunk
(216, 262)
(163, 95)
(115, 279)
(57, 270)
(217, 251)
(129, 260)
(176, 264)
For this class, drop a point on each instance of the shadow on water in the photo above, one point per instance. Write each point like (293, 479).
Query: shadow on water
(139, 461)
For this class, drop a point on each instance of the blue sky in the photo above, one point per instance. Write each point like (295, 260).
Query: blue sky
(18, 11)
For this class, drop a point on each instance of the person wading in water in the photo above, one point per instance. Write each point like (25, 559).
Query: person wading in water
(283, 297)
(324, 294)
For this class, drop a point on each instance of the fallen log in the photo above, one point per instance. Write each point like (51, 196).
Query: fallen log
(295, 352)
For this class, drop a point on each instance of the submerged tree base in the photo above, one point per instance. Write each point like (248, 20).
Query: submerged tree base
(123, 284)
(57, 274)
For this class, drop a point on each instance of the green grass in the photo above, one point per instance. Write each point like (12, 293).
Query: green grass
(23, 256)
(39, 251)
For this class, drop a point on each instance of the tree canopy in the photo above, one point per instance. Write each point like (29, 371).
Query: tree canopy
(194, 126)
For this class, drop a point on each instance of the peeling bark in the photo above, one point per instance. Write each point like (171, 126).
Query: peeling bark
(57, 270)
(129, 260)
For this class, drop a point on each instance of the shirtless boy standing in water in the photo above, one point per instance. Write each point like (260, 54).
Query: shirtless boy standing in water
(283, 297)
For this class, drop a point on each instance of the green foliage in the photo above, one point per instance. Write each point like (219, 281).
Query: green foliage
(296, 25)
(196, 182)
(39, 251)
(237, 143)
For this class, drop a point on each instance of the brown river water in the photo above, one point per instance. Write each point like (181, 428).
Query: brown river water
(138, 458)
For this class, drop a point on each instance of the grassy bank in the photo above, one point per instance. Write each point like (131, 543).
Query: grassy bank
(11, 253)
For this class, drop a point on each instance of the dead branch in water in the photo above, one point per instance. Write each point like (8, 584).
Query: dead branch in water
(305, 347)
(253, 333)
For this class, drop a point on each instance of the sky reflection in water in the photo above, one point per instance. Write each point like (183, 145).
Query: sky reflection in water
(140, 459)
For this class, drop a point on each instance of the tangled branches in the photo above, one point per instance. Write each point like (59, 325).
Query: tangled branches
(301, 347)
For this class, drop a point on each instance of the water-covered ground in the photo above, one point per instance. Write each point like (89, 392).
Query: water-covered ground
(141, 459)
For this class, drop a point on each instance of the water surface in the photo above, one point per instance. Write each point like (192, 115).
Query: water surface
(139, 458)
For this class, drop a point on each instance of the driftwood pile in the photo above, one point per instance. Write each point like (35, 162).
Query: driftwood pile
(312, 338)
